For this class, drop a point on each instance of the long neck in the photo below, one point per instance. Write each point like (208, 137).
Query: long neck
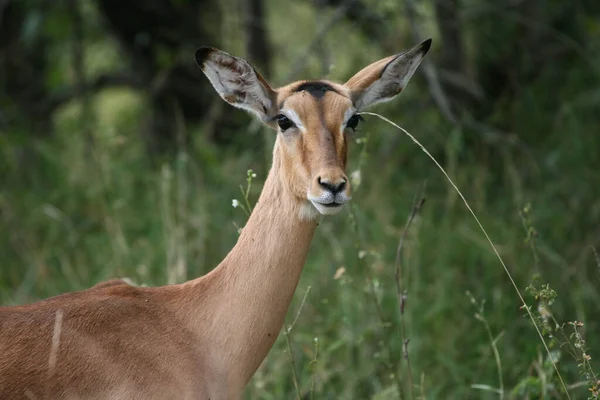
(243, 302)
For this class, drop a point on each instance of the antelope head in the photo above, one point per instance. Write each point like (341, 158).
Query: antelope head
(313, 118)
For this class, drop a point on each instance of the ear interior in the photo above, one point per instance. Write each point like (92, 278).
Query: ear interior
(236, 81)
(386, 78)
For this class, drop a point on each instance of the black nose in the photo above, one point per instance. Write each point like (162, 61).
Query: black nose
(333, 188)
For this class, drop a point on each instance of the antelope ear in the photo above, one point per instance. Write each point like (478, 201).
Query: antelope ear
(237, 82)
(384, 79)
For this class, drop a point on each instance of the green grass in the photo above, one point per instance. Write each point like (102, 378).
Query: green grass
(71, 217)
(68, 221)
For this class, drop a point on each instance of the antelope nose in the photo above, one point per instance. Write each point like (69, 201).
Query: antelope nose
(333, 186)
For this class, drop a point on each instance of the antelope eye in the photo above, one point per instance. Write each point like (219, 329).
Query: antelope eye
(284, 122)
(353, 121)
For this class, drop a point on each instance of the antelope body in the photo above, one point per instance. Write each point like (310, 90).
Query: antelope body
(205, 338)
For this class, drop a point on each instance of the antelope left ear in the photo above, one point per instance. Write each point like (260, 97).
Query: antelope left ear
(237, 82)
(384, 79)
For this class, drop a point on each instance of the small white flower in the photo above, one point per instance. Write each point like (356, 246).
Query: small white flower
(356, 178)
(235, 203)
(339, 272)
(254, 175)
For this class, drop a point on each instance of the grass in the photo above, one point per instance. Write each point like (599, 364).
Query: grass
(512, 281)
(62, 230)
(69, 220)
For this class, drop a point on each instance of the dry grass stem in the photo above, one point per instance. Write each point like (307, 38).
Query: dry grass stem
(286, 332)
(401, 292)
(289, 329)
(488, 239)
(291, 358)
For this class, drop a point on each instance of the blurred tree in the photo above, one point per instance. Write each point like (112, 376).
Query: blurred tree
(508, 41)
(508, 55)
(257, 41)
(159, 38)
(452, 58)
(23, 66)
(364, 16)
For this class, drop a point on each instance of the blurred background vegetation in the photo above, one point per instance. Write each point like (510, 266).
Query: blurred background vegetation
(118, 159)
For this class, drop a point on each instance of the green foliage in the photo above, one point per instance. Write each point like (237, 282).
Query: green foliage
(73, 214)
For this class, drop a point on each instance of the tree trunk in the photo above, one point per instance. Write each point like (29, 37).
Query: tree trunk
(159, 37)
(452, 60)
(452, 53)
(257, 42)
(23, 68)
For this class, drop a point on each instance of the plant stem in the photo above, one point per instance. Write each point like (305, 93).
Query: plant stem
(401, 292)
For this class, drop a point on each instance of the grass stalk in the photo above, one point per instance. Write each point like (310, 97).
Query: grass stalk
(292, 362)
(373, 294)
(314, 371)
(401, 292)
(287, 331)
(481, 318)
(488, 239)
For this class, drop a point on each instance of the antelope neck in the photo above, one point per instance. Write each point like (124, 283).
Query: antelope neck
(243, 302)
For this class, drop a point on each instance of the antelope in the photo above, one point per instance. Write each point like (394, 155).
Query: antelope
(205, 338)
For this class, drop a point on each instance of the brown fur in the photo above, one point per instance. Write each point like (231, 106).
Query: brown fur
(322, 151)
(205, 338)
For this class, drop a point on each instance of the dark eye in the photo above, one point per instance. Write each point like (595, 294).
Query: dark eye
(284, 122)
(353, 121)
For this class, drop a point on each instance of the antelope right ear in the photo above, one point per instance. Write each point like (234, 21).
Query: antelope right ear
(384, 79)
(237, 82)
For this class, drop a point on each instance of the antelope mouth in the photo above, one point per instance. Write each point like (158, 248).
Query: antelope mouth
(331, 205)
(327, 208)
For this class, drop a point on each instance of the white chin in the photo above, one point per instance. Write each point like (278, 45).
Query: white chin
(327, 210)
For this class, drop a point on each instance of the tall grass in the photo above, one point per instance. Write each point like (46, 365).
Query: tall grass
(69, 220)
(63, 230)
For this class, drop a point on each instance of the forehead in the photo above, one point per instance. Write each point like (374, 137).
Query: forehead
(315, 99)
